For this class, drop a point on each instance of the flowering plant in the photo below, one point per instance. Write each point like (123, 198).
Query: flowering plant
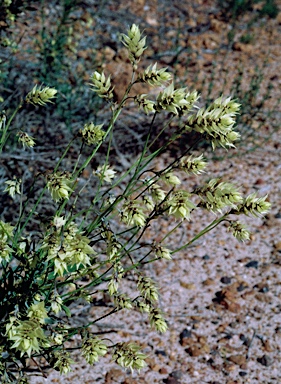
(41, 274)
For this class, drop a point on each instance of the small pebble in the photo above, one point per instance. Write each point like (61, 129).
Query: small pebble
(252, 264)
(185, 333)
(206, 257)
(265, 360)
(226, 280)
(241, 287)
(176, 374)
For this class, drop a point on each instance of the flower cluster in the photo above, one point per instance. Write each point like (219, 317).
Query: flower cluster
(134, 43)
(37, 311)
(13, 187)
(3, 119)
(93, 348)
(239, 230)
(157, 321)
(147, 289)
(179, 205)
(157, 193)
(56, 303)
(192, 164)
(216, 195)
(154, 76)
(27, 335)
(216, 122)
(25, 139)
(105, 173)
(143, 102)
(40, 95)
(142, 305)
(61, 361)
(67, 249)
(102, 85)
(128, 355)
(60, 185)
(162, 252)
(190, 99)
(92, 134)
(132, 213)
(170, 179)
(112, 286)
(112, 248)
(122, 301)
(148, 202)
(6, 234)
(253, 205)
(171, 100)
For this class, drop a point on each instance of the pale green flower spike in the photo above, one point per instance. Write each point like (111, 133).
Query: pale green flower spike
(157, 193)
(38, 312)
(143, 306)
(62, 361)
(148, 202)
(253, 205)
(6, 231)
(216, 122)
(179, 205)
(13, 187)
(112, 249)
(26, 140)
(93, 348)
(3, 119)
(147, 288)
(6, 234)
(59, 184)
(216, 195)
(170, 179)
(112, 286)
(132, 213)
(192, 164)
(122, 301)
(144, 103)
(157, 320)
(162, 252)
(190, 98)
(56, 303)
(5, 251)
(134, 43)
(128, 355)
(154, 76)
(101, 85)
(105, 173)
(171, 100)
(74, 250)
(239, 231)
(59, 221)
(41, 96)
(28, 336)
(92, 134)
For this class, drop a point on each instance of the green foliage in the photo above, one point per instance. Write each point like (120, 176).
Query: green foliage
(247, 38)
(53, 44)
(73, 255)
(269, 9)
(235, 8)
